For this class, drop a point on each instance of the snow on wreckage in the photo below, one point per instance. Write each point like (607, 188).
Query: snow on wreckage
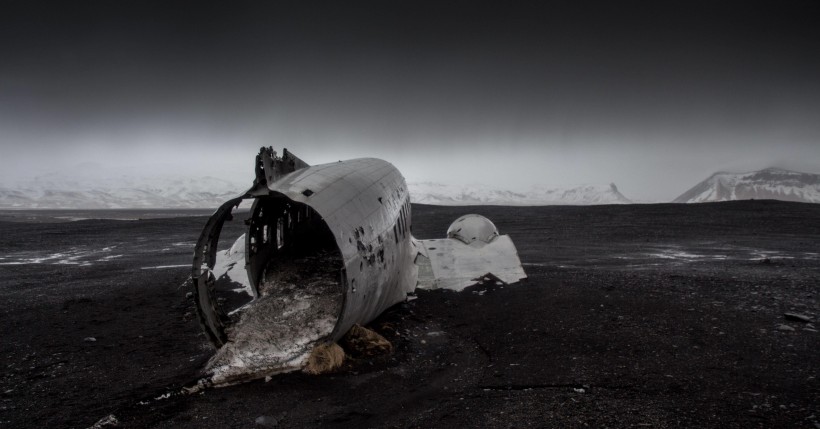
(328, 247)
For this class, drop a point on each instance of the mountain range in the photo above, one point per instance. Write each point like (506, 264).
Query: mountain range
(96, 190)
(90, 192)
(771, 183)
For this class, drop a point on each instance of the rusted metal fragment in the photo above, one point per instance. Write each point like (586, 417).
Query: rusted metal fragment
(270, 168)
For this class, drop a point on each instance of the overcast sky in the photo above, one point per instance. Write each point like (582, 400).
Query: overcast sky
(653, 98)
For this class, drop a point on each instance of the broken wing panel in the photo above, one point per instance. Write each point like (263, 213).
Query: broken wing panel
(451, 264)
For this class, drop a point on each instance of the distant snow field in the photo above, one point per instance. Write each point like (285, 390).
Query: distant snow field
(118, 192)
(454, 195)
(89, 191)
(94, 192)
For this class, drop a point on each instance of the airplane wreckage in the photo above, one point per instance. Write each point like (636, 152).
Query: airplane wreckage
(327, 247)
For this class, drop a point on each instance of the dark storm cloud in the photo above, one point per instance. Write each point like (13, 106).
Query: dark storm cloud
(646, 82)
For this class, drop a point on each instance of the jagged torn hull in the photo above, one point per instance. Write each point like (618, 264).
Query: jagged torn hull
(327, 247)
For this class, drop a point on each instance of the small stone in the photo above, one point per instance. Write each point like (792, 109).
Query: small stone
(267, 421)
(324, 358)
(785, 328)
(362, 342)
(189, 295)
(90, 339)
(579, 390)
(797, 317)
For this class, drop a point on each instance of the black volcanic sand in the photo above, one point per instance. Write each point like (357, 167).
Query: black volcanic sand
(632, 316)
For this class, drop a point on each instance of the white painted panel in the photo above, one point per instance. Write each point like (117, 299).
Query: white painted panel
(456, 265)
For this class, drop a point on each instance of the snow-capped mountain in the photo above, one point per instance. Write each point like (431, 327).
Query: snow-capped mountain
(87, 191)
(771, 183)
(452, 195)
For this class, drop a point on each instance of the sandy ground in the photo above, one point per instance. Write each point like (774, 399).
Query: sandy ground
(632, 316)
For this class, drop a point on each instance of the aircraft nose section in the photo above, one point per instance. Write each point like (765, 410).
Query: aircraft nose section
(472, 227)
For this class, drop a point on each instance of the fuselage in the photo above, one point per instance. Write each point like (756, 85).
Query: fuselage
(365, 205)
(358, 209)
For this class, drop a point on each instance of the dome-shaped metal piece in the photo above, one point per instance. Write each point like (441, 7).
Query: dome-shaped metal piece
(472, 227)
